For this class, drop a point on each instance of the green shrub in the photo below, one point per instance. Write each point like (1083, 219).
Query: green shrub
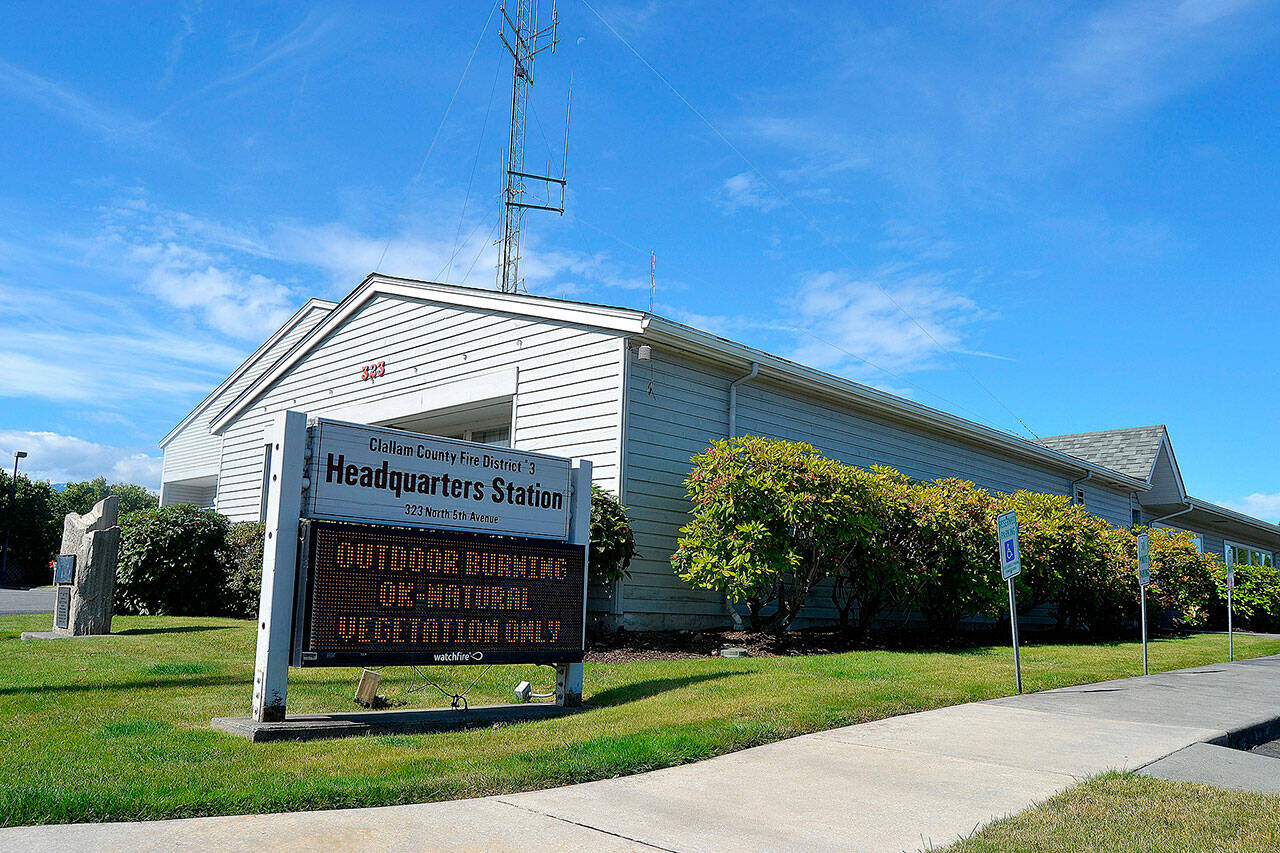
(242, 568)
(957, 571)
(1255, 601)
(874, 576)
(1065, 551)
(770, 520)
(171, 562)
(612, 542)
(1182, 579)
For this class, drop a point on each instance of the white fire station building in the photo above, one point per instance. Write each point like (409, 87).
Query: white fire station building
(567, 378)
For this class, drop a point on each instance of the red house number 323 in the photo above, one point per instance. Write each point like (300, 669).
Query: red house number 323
(373, 371)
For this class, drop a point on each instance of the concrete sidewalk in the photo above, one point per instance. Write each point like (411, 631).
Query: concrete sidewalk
(904, 783)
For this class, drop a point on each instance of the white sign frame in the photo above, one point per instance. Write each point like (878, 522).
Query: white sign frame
(286, 463)
(379, 475)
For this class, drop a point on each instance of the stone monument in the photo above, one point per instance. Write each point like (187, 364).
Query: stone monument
(85, 584)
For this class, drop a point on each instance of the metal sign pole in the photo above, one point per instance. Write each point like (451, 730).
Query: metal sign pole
(1010, 568)
(1231, 640)
(1013, 624)
(1145, 670)
(1144, 578)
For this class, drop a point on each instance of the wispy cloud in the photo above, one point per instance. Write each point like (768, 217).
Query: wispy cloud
(746, 191)
(282, 55)
(63, 101)
(1132, 54)
(186, 28)
(864, 318)
(1259, 504)
(62, 458)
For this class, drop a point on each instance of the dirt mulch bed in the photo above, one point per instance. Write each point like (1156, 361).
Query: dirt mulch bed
(624, 646)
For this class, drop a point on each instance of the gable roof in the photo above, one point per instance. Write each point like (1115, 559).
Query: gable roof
(1131, 451)
(376, 284)
(631, 322)
(249, 363)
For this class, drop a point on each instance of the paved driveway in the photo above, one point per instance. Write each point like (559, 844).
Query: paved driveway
(16, 601)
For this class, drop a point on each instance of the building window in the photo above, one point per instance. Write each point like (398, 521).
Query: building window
(498, 437)
(1199, 542)
(1243, 555)
(1080, 495)
(1137, 517)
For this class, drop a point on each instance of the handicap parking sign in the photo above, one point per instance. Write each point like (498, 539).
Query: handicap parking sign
(1007, 531)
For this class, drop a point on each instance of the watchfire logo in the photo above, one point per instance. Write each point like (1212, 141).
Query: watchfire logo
(456, 657)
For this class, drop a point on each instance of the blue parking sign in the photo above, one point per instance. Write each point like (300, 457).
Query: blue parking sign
(1007, 531)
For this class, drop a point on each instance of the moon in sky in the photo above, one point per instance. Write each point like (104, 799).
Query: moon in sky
(581, 39)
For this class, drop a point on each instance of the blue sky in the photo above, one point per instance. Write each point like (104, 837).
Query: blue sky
(1075, 205)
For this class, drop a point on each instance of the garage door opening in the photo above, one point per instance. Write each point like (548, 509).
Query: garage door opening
(487, 422)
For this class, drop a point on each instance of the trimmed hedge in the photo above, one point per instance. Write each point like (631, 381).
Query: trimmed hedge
(171, 562)
(242, 561)
(772, 519)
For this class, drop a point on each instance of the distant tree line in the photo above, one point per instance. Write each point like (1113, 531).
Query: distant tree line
(37, 513)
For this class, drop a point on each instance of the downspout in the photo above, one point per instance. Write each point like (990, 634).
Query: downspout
(1171, 515)
(733, 397)
(1088, 475)
(738, 624)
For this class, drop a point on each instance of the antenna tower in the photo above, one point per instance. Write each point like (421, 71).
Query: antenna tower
(524, 40)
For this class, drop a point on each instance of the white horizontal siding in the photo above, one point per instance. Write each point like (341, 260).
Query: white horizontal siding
(194, 452)
(688, 408)
(568, 397)
(865, 438)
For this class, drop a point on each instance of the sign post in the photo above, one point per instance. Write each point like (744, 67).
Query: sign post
(1010, 568)
(284, 458)
(1144, 578)
(1231, 585)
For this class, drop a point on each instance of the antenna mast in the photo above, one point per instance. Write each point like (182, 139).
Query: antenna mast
(524, 41)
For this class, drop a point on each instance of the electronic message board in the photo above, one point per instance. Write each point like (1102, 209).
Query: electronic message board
(380, 595)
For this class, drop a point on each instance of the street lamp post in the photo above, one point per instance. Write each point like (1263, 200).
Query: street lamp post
(13, 510)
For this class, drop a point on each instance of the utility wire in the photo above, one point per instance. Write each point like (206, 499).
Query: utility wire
(497, 72)
(412, 186)
(803, 214)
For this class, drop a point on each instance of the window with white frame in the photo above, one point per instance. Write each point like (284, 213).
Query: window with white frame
(1243, 555)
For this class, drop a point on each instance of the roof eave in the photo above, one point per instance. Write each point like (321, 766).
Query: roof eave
(253, 357)
(1232, 515)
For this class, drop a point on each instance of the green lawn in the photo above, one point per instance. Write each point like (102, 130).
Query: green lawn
(1129, 812)
(118, 727)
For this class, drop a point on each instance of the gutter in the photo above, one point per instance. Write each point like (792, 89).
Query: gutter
(1183, 511)
(733, 397)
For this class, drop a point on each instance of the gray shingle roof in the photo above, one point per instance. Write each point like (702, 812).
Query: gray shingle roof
(1129, 451)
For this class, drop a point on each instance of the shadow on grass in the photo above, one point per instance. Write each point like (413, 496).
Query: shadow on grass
(181, 629)
(644, 689)
(161, 683)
